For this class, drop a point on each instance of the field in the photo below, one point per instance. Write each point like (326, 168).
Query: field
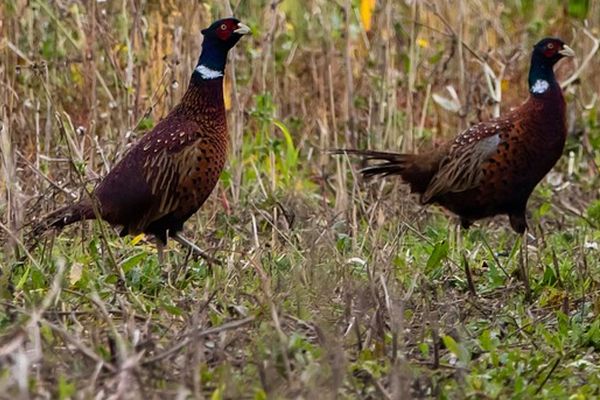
(329, 286)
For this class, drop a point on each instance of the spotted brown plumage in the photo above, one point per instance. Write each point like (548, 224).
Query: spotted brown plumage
(492, 167)
(170, 172)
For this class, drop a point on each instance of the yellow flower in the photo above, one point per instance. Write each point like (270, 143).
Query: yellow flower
(366, 13)
(137, 239)
(423, 43)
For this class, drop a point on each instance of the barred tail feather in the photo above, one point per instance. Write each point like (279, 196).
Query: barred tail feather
(391, 163)
(382, 170)
(65, 216)
(414, 170)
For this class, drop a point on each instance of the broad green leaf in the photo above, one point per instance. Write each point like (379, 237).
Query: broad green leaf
(440, 251)
(578, 8)
(458, 349)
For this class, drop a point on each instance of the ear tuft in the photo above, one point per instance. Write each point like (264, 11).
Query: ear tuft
(203, 31)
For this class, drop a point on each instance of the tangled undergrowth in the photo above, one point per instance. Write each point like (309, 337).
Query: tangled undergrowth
(329, 286)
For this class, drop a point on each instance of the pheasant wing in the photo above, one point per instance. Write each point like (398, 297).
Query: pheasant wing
(182, 168)
(461, 169)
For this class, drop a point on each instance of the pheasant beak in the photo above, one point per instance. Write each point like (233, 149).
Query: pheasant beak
(242, 29)
(566, 51)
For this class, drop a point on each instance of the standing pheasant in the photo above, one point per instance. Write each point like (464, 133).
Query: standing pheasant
(171, 171)
(492, 167)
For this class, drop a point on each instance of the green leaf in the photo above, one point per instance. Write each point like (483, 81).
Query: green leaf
(424, 349)
(291, 157)
(171, 309)
(527, 7)
(217, 394)
(544, 209)
(133, 261)
(593, 211)
(93, 249)
(450, 344)
(23, 279)
(66, 389)
(440, 251)
(563, 323)
(47, 333)
(38, 279)
(578, 8)
(145, 124)
(260, 395)
(486, 340)
(592, 336)
(549, 277)
(457, 349)
(343, 243)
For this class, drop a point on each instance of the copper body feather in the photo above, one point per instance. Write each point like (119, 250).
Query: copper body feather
(170, 172)
(492, 167)
(173, 169)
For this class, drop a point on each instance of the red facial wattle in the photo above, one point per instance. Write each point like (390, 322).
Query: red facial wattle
(224, 31)
(551, 51)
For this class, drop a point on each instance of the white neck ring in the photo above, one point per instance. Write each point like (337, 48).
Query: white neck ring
(207, 73)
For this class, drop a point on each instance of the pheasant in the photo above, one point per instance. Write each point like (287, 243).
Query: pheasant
(492, 167)
(170, 172)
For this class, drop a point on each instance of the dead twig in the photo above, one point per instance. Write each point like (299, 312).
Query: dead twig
(196, 333)
(585, 62)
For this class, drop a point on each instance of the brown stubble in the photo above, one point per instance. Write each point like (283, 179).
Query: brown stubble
(338, 302)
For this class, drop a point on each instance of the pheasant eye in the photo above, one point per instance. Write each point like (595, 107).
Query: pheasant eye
(550, 46)
(223, 27)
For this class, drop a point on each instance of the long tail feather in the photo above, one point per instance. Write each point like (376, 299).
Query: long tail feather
(391, 163)
(64, 216)
(413, 169)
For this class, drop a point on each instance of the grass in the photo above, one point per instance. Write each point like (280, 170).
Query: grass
(330, 286)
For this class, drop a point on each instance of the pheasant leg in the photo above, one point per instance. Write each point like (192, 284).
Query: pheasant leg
(179, 238)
